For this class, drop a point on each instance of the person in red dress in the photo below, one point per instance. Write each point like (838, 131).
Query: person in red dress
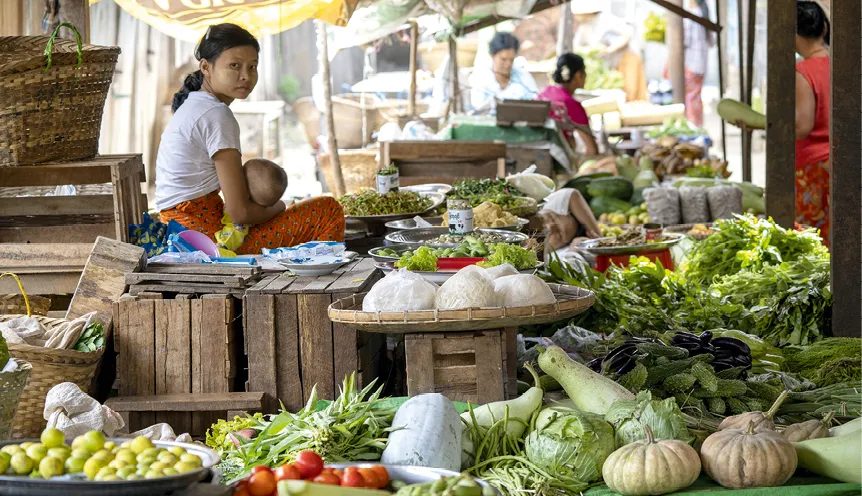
(812, 118)
(570, 75)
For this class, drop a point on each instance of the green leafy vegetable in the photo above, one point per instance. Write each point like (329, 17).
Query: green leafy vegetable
(663, 416)
(92, 338)
(217, 436)
(4, 352)
(370, 202)
(422, 260)
(502, 253)
(568, 442)
(478, 191)
(827, 362)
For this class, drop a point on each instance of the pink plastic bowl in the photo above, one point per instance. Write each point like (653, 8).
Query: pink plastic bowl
(200, 241)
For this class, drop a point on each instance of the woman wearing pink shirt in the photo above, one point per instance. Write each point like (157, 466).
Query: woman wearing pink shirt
(570, 75)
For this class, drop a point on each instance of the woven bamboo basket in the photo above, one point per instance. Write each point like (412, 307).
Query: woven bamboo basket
(15, 304)
(571, 300)
(53, 114)
(12, 384)
(359, 168)
(50, 367)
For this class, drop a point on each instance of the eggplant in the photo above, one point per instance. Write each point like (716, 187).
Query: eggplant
(733, 344)
(706, 337)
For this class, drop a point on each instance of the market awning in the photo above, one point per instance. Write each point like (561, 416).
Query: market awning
(188, 20)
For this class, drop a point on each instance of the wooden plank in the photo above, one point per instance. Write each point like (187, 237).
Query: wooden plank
(260, 347)
(455, 374)
(173, 356)
(187, 288)
(103, 279)
(203, 402)
(136, 338)
(203, 269)
(846, 178)
(678, 10)
(279, 284)
(510, 356)
(42, 284)
(57, 205)
(451, 150)
(288, 365)
(96, 170)
(315, 337)
(781, 114)
(228, 281)
(77, 233)
(359, 279)
(489, 368)
(260, 285)
(214, 348)
(119, 203)
(420, 364)
(199, 361)
(43, 255)
(345, 346)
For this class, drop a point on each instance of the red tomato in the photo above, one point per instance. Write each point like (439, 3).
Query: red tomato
(260, 468)
(382, 474)
(241, 489)
(371, 479)
(309, 464)
(352, 478)
(339, 473)
(328, 478)
(287, 472)
(261, 483)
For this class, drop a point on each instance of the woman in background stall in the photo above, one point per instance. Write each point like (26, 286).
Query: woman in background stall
(504, 80)
(569, 76)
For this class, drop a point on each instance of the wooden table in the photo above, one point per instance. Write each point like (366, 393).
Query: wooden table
(292, 345)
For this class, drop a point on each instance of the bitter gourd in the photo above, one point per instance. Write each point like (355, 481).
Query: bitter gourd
(705, 376)
(660, 350)
(678, 383)
(635, 378)
(717, 406)
(736, 406)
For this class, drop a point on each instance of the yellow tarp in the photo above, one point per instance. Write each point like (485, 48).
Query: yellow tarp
(188, 20)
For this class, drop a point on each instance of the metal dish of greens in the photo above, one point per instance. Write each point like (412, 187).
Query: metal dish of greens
(370, 205)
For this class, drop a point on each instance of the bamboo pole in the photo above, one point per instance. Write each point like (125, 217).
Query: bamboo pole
(565, 34)
(323, 60)
(455, 98)
(414, 47)
(676, 56)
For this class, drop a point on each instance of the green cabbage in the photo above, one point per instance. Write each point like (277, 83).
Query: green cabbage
(4, 352)
(568, 442)
(664, 417)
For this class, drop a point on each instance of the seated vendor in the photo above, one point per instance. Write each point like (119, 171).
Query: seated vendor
(199, 156)
(571, 75)
(503, 80)
(568, 220)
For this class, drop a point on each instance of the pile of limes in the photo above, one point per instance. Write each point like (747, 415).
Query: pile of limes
(95, 457)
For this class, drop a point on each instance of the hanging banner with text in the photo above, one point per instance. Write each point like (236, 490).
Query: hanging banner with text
(188, 20)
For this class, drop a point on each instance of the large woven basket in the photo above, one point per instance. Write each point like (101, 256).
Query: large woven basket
(55, 114)
(12, 303)
(358, 167)
(12, 384)
(50, 367)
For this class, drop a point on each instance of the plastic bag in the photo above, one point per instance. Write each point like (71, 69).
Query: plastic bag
(306, 250)
(499, 271)
(521, 290)
(663, 205)
(470, 287)
(534, 185)
(400, 291)
(694, 205)
(72, 411)
(181, 257)
(724, 201)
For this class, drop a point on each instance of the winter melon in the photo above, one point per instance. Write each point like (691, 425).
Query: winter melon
(733, 111)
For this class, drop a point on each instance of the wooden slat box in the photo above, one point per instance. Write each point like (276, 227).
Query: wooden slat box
(477, 366)
(291, 343)
(421, 162)
(178, 346)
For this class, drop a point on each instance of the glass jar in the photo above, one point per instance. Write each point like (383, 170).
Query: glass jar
(460, 216)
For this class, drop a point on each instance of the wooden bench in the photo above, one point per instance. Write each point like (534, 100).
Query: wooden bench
(232, 403)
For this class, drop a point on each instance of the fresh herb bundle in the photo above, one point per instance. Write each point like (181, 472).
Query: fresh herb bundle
(478, 191)
(370, 202)
(92, 338)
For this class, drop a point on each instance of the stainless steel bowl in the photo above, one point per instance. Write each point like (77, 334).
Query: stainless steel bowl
(423, 236)
(400, 225)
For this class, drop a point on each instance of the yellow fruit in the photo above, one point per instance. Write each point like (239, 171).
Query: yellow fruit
(52, 438)
(154, 452)
(168, 457)
(105, 471)
(135, 476)
(127, 456)
(11, 449)
(74, 465)
(50, 467)
(4, 462)
(183, 467)
(94, 441)
(103, 455)
(80, 453)
(140, 444)
(92, 467)
(37, 451)
(26, 446)
(177, 451)
(152, 474)
(193, 459)
(61, 452)
(110, 445)
(118, 464)
(145, 459)
(126, 444)
(159, 466)
(109, 477)
(78, 443)
(125, 472)
(21, 463)
(170, 471)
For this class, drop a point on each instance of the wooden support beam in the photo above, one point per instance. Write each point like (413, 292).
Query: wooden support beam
(744, 95)
(846, 156)
(323, 60)
(414, 56)
(781, 114)
(677, 9)
(565, 33)
(676, 56)
(11, 18)
(721, 45)
(455, 96)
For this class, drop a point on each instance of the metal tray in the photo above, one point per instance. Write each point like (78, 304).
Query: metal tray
(73, 485)
(669, 240)
(429, 188)
(424, 236)
(412, 475)
(436, 198)
(400, 225)
(399, 249)
(441, 276)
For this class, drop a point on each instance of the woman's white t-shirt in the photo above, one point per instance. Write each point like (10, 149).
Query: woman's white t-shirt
(200, 128)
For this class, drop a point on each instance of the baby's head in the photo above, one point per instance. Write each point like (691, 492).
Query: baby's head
(266, 181)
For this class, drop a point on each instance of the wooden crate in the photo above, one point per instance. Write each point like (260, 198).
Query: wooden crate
(422, 162)
(292, 345)
(178, 346)
(31, 224)
(479, 367)
(523, 155)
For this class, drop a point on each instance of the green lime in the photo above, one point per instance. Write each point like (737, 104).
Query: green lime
(52, 438)
(193, 459)
(153, 474)
(170, 471)
(141, 444)
(11, 449)
(21, 464)
(125, 472)
(92, 467)
(4, 462)
(61, 452)
(183, 467)
(81, 453)
(94, 441)
(50, 467)
(177, 451)
(74, 465)
(37, 451)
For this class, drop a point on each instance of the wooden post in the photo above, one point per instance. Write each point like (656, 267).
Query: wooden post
(455, 98)
(565, 35)
(846, 141)
(781, 115)
(676, 56)
(323, 58)
(11, 18)
(720, 44)
(744, 90)
(77, 13)
(414, 46)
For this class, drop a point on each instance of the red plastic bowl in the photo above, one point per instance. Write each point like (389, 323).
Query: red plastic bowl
(456, 263)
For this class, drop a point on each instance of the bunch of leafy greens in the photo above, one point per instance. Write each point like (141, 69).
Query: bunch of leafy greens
(826, 362)
(748, 242)
(354, 427)
(421, 260)
(478, 191)
(628, 417)
(568, 442)
(504, 253)
(92, 338)
(218, 434)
